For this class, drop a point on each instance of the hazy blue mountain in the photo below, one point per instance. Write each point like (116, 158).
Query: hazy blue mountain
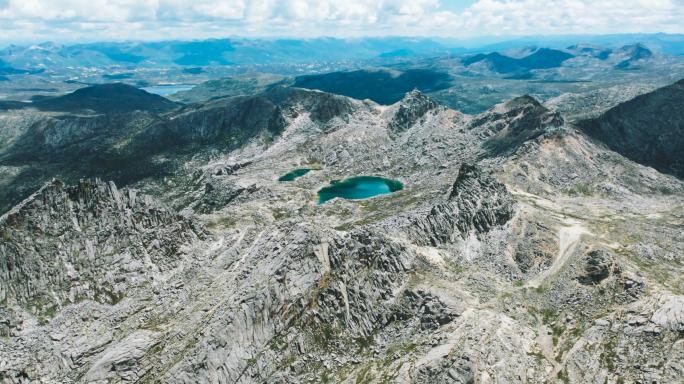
(542, 58)
(6, 69)
(115, 52)
(219, 52)
(106, 98)
(598, 52)
(635, 53)
(382, 86)
(204, 52)
(670, 44)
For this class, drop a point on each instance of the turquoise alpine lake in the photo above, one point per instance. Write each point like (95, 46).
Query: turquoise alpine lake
(359, 187)
(294, 174)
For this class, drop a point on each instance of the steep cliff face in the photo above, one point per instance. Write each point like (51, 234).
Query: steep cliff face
(89, 241)
(321, 106)
(72, 146)
(410, 110)
(224, 123)
(65, 137)
(648, 129)
(515, 122)
(306, 296)
(477, 202)
(494, 263)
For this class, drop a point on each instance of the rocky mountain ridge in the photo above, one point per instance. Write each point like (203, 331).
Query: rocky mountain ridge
(623, 128)
(86, 231)
(520, 250)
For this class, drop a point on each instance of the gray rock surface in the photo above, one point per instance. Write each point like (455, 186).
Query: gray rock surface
(648, 129)
(519, 251)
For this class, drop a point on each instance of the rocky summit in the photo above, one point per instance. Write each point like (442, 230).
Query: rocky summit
(158, 245)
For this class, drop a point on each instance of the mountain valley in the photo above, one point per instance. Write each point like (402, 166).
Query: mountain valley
(534, 239)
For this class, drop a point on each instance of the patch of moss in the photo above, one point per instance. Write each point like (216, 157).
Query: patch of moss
(557, 330)
(563, 376)
(222, 223)
(609, 355)
(323, 334)
(365, 376)
(279, 213)
(364, 342)
(581, 189)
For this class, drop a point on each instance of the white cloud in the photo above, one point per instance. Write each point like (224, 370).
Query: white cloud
(158, 19)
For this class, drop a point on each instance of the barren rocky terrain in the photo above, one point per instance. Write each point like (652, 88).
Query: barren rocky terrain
(524, 247)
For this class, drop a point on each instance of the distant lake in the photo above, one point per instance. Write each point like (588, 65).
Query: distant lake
(165, 90)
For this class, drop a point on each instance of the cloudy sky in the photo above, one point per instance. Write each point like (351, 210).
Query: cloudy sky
(90, 20)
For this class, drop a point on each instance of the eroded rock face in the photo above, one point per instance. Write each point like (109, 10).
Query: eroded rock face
(517, 121)
(228, 123)
(411, 109)
(462, 276)
(119, 361)
(648, 129)
(218, 196)
(597, 268)
(536, 249)
(88, 241)
(477, 202)
(321, 106)
(670, 313)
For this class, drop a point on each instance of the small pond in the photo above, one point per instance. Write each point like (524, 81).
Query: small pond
(294, 174)
(359, 187)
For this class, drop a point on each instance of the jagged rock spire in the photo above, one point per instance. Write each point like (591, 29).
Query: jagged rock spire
(412, 108)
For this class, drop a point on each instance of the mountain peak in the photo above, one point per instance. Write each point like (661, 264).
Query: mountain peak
(648, 129)
(414, 95)
(518, 120)
(523, 101)
(411, 109)
(107, 98)
(542, 58)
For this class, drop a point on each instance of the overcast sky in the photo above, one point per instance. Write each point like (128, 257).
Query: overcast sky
(91, 20)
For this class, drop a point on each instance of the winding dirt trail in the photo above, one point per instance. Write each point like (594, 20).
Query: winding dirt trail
(568, 239)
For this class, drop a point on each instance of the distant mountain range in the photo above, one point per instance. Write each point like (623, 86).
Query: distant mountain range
(101, 98)
(540, 59)
(626, 57)
(5, 69)
(381, 86)
(217, 52)
(242, 51)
